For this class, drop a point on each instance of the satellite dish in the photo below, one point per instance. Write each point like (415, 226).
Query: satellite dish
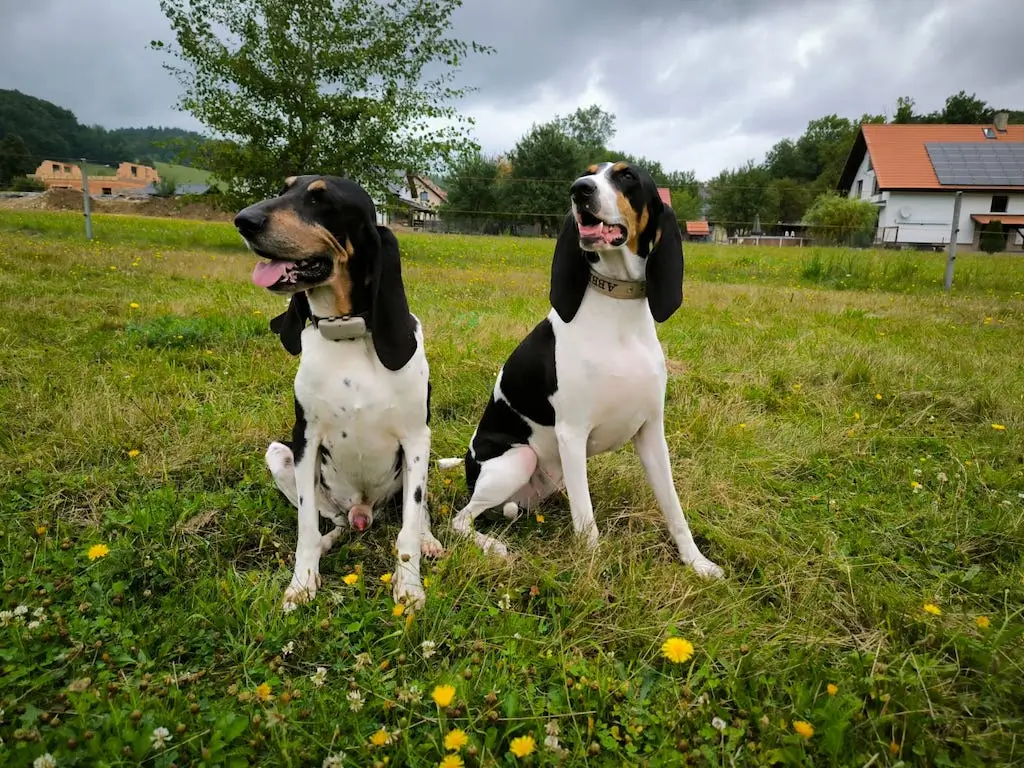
(904, 212)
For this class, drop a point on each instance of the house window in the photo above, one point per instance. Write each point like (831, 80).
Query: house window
(989, 133)
(135, 171)
(871, 166)
(108, 190)
(874, 188)
(424, 196)
(67, 169)
(1000, 203)
(860, 188)
(56, 168)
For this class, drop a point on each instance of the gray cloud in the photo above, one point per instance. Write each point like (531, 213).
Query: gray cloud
(696, 84)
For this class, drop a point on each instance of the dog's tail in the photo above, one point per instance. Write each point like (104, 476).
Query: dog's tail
(449, 463)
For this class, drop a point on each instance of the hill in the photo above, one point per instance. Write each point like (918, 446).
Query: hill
(53, 132)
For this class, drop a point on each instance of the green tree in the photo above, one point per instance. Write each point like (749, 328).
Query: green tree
(15, 159)
(961, 108)
(473, 193)
(904, 110)
(739, 196)
(591, 127)
(794, 197)
(544, 163)
(686, 205)
(363, 89)
(841, 220)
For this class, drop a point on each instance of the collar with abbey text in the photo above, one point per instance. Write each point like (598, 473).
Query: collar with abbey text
(618, 289)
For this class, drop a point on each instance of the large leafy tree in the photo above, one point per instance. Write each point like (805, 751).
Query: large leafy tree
(364, 89)
(741, 195)
(15, 159)
(591, 127)
(544, 164)
(472, 185)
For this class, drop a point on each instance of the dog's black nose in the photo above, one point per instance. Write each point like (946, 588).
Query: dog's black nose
(583, 188)
(250, 221)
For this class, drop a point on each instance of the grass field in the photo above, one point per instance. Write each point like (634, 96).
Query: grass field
(182, 174)
(846, 440)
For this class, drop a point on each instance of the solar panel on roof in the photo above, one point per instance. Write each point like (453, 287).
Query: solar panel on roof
(974, 164)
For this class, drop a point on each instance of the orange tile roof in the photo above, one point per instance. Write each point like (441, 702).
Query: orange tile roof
(1013, 219)
(901, 161)
(666, 195)
(697, 228)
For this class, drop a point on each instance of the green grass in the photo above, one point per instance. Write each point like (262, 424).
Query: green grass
(182, 174)
(830, 416)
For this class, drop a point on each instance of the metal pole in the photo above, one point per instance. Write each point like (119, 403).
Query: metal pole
(85, 202)
(952, 240)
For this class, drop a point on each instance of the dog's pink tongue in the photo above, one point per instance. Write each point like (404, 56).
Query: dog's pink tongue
(266, 273)
(600, 231)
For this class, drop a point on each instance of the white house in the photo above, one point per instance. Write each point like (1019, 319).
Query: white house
(912, 172)
(413, 199)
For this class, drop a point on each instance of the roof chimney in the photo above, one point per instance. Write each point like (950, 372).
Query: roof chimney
(1000, 121)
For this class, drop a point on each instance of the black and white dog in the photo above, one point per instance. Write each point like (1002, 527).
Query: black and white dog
(592, 375)
(362, 393)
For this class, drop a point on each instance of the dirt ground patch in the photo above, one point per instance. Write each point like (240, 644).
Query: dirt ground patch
(71, 200)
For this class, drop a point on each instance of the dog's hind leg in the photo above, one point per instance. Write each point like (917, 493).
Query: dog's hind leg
(281, 463)
(500, 478)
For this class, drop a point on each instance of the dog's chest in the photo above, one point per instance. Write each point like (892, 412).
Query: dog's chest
(358, 413)
(611, 382)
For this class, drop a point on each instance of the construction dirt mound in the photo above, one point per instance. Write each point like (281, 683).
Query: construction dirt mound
(71, 200)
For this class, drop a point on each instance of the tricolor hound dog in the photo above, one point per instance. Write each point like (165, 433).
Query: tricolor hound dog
(592, 375)
(362, 393)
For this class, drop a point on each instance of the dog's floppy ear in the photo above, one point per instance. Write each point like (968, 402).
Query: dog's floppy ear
(570, 272)
(665, 267)
(393, 327)
(289, 324)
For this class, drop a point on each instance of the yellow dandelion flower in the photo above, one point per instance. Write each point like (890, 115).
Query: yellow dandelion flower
(113, 268)
(522, 746)
(894, 748)
(426, 582)
(133, 453)
(983, 622)
(804, 728)
(398, 610)
(878, 396)
(97, 551)
(856, 415)
(455, 740)
(386, 578)
(914, 484)
(999, 427)
(832, 689)
(134, 305)
(743, 425)
(263, 692)
(677, 650)
(380, 738)
(41, 530)
(540, 518)
(933, 609)
(443, 695)
(451, 761)
(351, 578)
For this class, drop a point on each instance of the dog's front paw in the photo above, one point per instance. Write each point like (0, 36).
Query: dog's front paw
(707, 569)
(430, 546)
(301, 591)
(408, 589)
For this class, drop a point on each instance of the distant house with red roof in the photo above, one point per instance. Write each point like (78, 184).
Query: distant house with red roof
(912, 172)
(692, 230)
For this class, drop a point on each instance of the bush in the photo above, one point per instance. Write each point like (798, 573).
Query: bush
(165, 187)
(836, 220)
(27, 184)
(993, 239)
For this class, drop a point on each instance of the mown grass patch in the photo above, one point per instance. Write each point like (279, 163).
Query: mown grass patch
(851, 456)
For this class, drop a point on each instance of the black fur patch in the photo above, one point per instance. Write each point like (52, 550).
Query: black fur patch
(418, 496)
(428, 402)
(529, 379)
(299, 432)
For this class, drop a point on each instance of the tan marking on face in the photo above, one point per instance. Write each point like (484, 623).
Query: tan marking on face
(290, 181)
(318, 184)
(620, 166)
(289, 237)
(592, 168)
(634, 224)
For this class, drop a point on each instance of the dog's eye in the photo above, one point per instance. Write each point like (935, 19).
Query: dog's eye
(627, 174)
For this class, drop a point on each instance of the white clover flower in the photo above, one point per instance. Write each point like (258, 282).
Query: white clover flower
(288, 648)
(334, 761)
(33, 624)
(505, 602)
(363, 660)
(355, 700)
(942, 477)
(160, 737)
(38, 613)
(5, 618)
(319, 677)
(46, 761)
(21, 610)
(429, 648)
(718, 723)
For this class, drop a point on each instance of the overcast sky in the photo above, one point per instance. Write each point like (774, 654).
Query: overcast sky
(697, 84)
